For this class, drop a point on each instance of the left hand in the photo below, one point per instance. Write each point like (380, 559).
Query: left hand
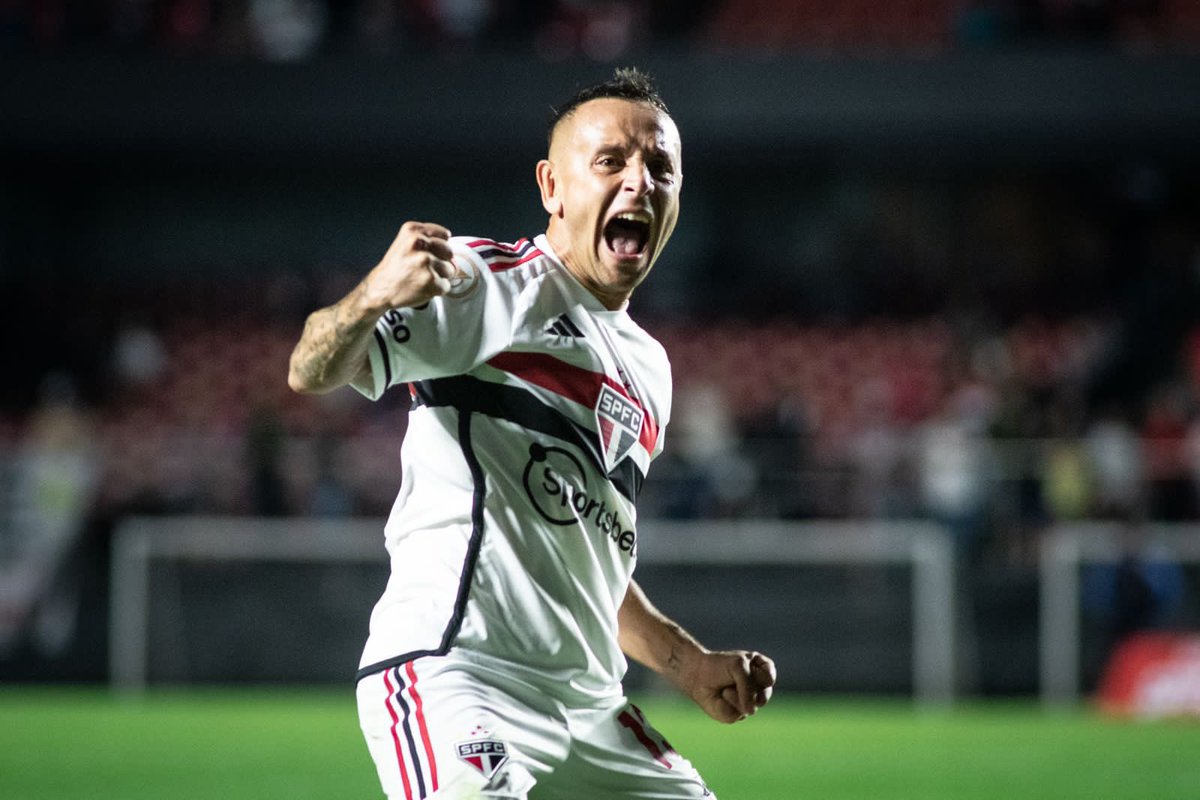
(730, 685)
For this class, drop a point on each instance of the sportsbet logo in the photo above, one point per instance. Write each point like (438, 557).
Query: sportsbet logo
(557, 485)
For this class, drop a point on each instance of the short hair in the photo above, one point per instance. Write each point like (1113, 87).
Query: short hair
(627, 83)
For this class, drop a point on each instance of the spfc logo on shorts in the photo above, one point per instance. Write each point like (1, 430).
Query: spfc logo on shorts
(485, 755)
(619, 421)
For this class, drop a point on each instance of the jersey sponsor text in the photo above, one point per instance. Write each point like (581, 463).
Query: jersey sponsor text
(557, 485)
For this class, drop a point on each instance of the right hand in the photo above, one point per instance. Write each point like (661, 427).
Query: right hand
(416, 268)
(729, 685)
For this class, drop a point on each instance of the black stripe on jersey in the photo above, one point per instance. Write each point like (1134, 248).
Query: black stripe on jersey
(523, 408)
(387, 362)
(479, 480)
(408, 734)
(505, 252)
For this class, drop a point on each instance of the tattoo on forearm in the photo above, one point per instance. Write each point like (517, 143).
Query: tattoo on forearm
(673, 662)
(328, 343)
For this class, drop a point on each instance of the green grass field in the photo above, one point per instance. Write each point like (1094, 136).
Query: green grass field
(83, 744)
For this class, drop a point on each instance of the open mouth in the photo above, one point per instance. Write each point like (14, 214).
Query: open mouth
(627, 237)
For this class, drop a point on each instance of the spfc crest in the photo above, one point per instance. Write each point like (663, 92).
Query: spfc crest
(485, 755)
(619, 421)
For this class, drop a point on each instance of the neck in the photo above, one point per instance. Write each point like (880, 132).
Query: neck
(612, 300)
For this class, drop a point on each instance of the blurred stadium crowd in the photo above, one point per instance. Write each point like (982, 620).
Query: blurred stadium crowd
(291, 30)
(1049, 371)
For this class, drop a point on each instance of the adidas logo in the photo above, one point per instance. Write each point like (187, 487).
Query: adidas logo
(563, 326)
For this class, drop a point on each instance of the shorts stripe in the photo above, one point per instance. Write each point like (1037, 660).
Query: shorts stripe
(396, 738)
(627, 720)
(408, 735)
(412, 691)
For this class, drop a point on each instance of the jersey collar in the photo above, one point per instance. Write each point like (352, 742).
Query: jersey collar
(586, 298)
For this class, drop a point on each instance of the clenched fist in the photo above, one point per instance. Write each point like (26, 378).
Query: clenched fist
(417, 267)
(731, 685)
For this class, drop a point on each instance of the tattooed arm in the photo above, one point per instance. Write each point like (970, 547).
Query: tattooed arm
(332, 351)
(728, 684)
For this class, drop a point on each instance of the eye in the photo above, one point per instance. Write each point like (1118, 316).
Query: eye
(608, 162)
(662, 170)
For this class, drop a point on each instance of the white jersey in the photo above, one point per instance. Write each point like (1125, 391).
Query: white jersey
(536, 415)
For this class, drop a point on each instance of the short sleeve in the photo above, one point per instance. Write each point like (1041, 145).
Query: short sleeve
(450, 335)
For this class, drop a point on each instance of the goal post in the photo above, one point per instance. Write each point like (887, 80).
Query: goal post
(139, 541)
(1065, 550)
(923, 546)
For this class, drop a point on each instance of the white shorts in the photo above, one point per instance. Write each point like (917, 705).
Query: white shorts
(444, 727)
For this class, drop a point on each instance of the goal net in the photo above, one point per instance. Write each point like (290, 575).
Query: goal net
(847, 606)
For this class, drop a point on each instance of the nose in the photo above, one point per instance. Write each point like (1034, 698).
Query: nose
(637, 178)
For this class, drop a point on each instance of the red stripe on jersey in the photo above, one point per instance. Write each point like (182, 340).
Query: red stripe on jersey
(488, 244)
(572, 382)
(500, 266)
(396, 736)
(522, 250)
(412, 691)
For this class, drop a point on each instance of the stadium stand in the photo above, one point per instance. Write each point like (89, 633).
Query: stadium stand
(187, 441)
(557, 29)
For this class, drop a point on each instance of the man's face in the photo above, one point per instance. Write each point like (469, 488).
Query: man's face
(611, 187)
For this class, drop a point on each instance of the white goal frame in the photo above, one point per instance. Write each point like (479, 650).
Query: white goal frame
(926, 546)
(1065, 549)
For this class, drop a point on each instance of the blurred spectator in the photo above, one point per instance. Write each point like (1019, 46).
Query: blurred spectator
(331, 496)
(139, 358)
(718, 479)
(598, 29)
(56, 464)
(778, 442)
(52, 493)
(264, 455)
(1115, 462)
(877, 452)
(1066, 483)
(957, 468)
(1192, 452)
(1164, 432)
(288, 30)
(332, 493)
(463, 20)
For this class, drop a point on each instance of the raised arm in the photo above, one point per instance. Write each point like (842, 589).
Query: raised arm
(332, 351)
(729, 685)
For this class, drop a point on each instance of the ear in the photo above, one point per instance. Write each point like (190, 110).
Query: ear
(549, 188)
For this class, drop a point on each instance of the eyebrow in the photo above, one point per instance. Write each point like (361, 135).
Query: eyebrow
(655, 151)
(609, 146)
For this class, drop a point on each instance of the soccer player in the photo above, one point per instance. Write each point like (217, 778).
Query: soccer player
(495, 657)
